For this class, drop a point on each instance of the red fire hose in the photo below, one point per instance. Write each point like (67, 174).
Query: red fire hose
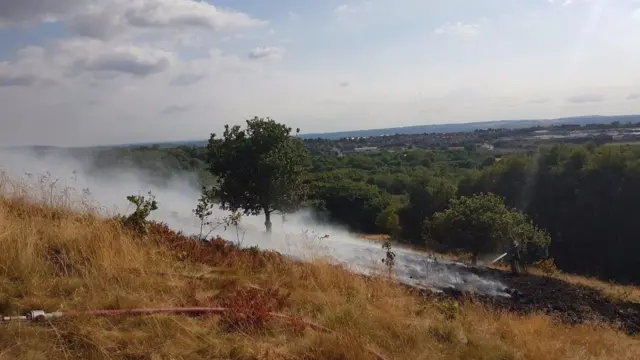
(41, 316)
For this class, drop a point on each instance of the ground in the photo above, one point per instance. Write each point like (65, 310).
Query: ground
(568, 302)
(569, 298)
(55, 259)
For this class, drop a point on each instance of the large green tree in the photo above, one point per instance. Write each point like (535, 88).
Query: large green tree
(483, 224)
(259, 169)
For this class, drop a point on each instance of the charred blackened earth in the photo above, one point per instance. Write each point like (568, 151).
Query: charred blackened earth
(570, 303)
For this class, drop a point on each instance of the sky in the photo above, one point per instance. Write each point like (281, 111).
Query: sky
(88, 72)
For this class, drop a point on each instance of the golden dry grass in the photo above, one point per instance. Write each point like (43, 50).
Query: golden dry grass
(54, 259)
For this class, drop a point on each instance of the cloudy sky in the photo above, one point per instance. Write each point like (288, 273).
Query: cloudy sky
(82, 72)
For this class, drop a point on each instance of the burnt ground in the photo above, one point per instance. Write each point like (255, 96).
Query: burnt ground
(569, 303)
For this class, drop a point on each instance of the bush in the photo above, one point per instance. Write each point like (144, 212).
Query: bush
(137, 221)
(547, 266)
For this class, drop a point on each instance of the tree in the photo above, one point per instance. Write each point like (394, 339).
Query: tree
(426, 197)
(388, 220)
(356, 204)
(483, 224)
(258, 169)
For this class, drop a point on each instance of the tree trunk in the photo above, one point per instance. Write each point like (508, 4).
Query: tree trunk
(474, 260)
(267, 220)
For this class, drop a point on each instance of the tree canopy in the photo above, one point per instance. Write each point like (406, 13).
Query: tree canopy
(258, 169)
(482, 223)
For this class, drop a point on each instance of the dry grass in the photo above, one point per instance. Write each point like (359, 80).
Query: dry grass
(53, 259)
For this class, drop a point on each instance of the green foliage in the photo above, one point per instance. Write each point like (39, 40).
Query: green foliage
(490, 160)
(388, 220)
(354, 203)
(390, 257)
(588, 200)
(259, 169)
(426, 197)
(137, 221)
(585, 197)
(511, 178)
(483, 224)
(204, 211)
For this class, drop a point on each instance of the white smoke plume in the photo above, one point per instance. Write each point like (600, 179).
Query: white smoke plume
(44, 175)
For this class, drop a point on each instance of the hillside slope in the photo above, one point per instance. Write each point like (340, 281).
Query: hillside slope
(53, 259)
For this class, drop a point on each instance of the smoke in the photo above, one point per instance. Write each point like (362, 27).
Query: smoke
(299, 236)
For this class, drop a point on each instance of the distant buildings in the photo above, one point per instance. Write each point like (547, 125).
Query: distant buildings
(336, 152)
(486, 146)
(495, 141)
(367, 150)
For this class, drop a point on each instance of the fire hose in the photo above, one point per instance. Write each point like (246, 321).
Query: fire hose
(42, 316)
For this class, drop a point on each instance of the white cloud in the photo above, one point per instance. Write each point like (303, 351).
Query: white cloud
(343, 8)
(33, 11)
(175, 109)
(7, 78)
(130, 60)
(117, 37)
(585, 98)
(563, 2)
(26, 70)
(271, 52)
(459, 28)
(175, 69)
(116, 17)
(109, 18)
(111, 91)
(125, 58)
(347, 12)
(542, 100)
(77, 57)
(633, 96)
(294, 16)
(187, 79)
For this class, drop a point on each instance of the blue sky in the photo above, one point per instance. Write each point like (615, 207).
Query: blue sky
(81, 72)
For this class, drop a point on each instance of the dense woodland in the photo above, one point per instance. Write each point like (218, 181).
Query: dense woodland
(576, 204)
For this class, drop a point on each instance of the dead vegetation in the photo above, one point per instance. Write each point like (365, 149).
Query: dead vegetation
(53, 259)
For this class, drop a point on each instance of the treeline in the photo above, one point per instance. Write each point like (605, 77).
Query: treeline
(576, 204)
(586, 198)
(157, 164)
